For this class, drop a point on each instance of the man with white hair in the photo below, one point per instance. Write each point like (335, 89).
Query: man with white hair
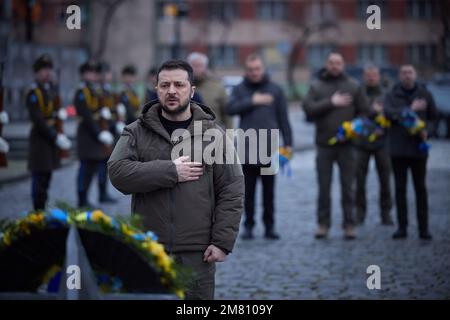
(211, 90)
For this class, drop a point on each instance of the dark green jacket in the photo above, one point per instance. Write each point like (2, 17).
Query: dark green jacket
(187, 216)
(328, 118)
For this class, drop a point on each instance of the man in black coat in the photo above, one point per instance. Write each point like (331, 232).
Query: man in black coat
(261, 104)
(45, 142)
(94, 143)
(404, 147)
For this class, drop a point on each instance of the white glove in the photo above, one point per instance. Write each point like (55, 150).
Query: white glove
(105, 113)
(4, 146)
(121, 110)
(120, 125)
(4, 118)
(106, 137)
(63, 142)
(62, 114)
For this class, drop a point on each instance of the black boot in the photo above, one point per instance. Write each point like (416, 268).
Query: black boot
(271, 235)
(425, 235)
(82, 201)
(104, 197)
(248, 234)
(386, 219)
(400, 234)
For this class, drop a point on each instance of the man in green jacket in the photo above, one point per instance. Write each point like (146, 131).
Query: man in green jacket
(331, 100)
(193, 206)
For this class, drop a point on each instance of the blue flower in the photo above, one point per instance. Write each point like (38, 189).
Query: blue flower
(59, 215)
(151, 235)
(138, 236)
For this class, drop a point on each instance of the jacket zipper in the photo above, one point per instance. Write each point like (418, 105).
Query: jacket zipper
(172, 226)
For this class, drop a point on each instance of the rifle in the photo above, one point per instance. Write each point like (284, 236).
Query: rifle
(104, 123)
(3, 160)
(59, 123)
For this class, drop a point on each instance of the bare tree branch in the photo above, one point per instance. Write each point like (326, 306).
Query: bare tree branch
(298, 45)
(110, 7)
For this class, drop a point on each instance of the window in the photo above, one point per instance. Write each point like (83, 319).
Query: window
(166, 52)
(223, 56)
(424, 54)
(222, 10)
(421, 9)
(168, 9)
(364, 4)
(320, 10)
(271, 10)
(316, 54)
(374, 53)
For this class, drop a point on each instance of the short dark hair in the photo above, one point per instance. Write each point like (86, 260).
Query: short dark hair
(129, 69)
(152, 71)
(177, 64)
(89, 66)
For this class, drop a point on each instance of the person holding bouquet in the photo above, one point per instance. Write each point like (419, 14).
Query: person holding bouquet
(405, 146)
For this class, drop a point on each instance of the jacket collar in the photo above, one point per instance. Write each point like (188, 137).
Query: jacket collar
(325, 76)
(149, 118)
(399, 91)
(253, 85)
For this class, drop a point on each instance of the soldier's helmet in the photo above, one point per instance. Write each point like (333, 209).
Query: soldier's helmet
(129, 69)
(89, 66)
(44, 61)
(104, 67)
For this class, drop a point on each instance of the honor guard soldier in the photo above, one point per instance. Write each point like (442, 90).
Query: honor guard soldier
(4, 119)
(107, 121)
(128, 96)
(94, 140)
(46, 139)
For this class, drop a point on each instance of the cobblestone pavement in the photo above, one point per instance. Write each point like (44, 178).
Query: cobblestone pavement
(298, 266)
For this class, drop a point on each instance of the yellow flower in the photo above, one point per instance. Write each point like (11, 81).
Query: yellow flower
(24, 227)
(81, 217)
(107, 220)
(347, 125)
(36, 217)
(165, 262)
(179, 293)
(383, 121)
(7, 238)
(97, 215)
(155, 248)
(126, 230)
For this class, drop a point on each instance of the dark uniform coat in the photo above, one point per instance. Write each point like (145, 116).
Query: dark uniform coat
(43, 154)
(88, 107)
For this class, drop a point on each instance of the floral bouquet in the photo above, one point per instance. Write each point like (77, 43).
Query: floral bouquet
(285, 157)
(365, 127)
(348, 130)
(416, 127)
